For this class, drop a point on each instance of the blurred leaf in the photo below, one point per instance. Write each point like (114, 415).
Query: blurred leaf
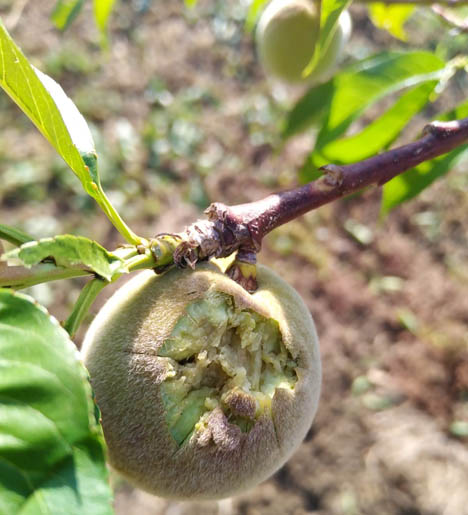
(408, 320)
(360, 232)
(338, 102)
(459, 428)
(49, 108)
(409, 184)
(65, 11)
(14, 236)
(360, 385)
(69, 252)
(255, 9)
(391, 18)
(378, 135)
(330, 11)
(51, 447)
(190, 3)
(102, 11)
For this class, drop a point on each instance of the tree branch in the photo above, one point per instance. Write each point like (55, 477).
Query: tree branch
(242, 228)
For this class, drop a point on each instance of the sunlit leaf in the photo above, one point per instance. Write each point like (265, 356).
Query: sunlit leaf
(379, 134)
(255, 9)
(69, 252)
(190, 3)
(51, 448)
(335, 104)
(56, 116)
(391, 18)
(49, 108)
(102, 11)
(65, 11)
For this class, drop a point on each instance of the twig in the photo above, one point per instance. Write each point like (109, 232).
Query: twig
(242, 228)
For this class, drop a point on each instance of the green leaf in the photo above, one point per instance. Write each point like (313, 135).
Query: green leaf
(49, 108)
(56, 116)
(102, 11)
(255, 9)
(190, 3)
(391, 18)
(14, 236)
(330, 11)
(69, 252)
(65, 11)
(338, 102)
(412, 182)
(376, 136)
(51, 447)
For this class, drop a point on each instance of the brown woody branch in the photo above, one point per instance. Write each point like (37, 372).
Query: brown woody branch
(242, 228)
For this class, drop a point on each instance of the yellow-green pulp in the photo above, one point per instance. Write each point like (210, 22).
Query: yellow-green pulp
(221, 356)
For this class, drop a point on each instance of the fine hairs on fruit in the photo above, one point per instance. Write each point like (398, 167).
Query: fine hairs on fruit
(286, 37)
(204, 389)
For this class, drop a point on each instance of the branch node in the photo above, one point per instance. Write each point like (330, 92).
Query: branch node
(441, 129)
(333, 176)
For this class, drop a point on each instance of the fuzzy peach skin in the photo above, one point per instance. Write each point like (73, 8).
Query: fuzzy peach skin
(235, 444)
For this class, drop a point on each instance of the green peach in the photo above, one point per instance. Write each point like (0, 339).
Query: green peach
(204, 389)
(286, 36)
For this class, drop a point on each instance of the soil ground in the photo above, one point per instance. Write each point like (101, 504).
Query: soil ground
(183, 116)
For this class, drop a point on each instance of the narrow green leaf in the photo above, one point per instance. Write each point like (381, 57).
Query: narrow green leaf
(255, 9)
(391, 18)
(56, 116)
(338, 102)
(49, 108)
(14, 236)
(409, 184)
(51, 448)
(65, 11)
(379, 134)
(69, 252)
(330, 11)
(102, 11)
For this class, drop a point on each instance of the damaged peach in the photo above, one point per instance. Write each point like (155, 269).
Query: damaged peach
(204, 389)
